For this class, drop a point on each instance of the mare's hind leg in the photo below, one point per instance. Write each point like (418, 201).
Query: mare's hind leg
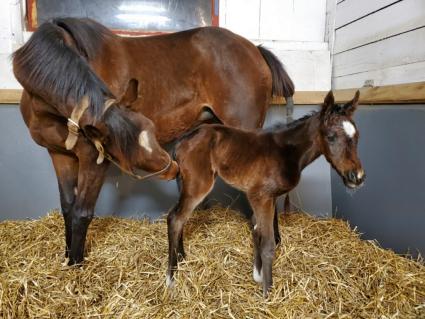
(66, 168)
(194, 190)
(264, 242)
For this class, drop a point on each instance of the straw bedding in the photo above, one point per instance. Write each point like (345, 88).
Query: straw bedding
(322, 270)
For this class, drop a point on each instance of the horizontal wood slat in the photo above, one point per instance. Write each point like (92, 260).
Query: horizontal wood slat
(391, 94)
(396, 19)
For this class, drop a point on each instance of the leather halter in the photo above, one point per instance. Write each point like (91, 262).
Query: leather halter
(73, 134)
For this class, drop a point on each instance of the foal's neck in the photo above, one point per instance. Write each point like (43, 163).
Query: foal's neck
(301, 140)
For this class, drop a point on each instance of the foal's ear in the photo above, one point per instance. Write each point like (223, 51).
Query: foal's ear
(351, 106)
(328, 103)
(131, 93)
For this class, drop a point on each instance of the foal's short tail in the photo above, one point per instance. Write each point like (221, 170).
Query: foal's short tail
(282, 83)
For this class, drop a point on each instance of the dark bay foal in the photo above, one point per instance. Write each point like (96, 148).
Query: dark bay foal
(264, 165)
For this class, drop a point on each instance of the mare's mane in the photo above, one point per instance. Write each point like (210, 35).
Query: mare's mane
(59, 72)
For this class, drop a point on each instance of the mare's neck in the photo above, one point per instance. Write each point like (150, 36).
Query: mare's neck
(301, 142)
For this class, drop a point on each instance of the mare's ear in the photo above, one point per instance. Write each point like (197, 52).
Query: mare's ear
(328, 104)
(351, 106)
(130, 94)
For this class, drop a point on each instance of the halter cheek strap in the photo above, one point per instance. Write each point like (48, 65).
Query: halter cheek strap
(73, 120)
(74, 129)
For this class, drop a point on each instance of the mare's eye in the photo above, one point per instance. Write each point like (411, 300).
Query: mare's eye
(331, 138)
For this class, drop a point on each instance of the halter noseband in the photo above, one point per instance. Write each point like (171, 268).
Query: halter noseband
(103, 154)
(74, 130)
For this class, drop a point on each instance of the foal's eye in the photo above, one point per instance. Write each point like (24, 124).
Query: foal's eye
(331, 138)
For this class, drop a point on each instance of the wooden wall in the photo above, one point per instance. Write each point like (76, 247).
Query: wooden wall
(293, 30)
(378, 41)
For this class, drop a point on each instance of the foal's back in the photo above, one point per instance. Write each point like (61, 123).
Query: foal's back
(246, 160)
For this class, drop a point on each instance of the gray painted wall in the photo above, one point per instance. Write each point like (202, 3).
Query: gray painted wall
(391, 205)
(28, 186)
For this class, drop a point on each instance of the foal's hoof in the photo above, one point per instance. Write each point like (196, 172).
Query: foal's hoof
(257, 275)
(169, 282)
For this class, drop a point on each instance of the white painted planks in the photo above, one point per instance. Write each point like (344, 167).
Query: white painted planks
(400, 17)
(350, 10)
(283, 20)
(402, 49)
(310, 70)
(242, 17)
(379, 40)
(301, 20)
(408, 73)
(293, 29)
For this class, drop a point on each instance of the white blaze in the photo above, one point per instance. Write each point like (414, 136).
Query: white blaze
(144, 141)
(349, 128)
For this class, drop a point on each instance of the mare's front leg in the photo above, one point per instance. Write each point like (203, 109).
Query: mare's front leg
(66, 168)
(90, 180)
(264, 241)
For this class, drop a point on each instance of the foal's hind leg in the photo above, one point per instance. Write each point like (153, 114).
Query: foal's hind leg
(66, 168)
(192, 193)
(277, 238)
(264, 242)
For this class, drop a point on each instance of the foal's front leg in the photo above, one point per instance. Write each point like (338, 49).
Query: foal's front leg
(90, 180)
(192, 193)
(264, 241)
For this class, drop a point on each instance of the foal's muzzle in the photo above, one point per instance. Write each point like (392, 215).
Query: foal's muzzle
(354, 178)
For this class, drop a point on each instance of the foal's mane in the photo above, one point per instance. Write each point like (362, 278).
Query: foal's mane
(59, 72)
(286, 126)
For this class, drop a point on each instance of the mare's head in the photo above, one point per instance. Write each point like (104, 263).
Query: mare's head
(339, 137)
(129, 137)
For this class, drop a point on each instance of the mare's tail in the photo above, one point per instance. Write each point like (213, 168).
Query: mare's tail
(282, 84)
(54, 63)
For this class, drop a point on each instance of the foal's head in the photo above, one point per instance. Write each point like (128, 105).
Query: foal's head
(339, 137)
(129, 137)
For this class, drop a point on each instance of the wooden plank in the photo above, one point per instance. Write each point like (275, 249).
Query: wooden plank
(348, 11)
(414, 72)
(390, 94)
(10, 96)
(402, 49)
(400, 17)
(402, 93)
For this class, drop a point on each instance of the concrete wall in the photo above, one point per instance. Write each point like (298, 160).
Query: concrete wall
(28, 183)
(391, 205)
